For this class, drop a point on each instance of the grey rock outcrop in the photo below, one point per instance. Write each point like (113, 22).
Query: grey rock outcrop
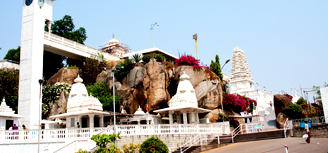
(59, 106)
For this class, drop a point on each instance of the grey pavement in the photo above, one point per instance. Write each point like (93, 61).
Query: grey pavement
(295, 145)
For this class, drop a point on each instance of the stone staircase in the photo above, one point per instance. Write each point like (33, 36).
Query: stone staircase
(269, 118)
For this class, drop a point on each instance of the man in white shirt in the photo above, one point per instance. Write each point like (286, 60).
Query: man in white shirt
(306, 127)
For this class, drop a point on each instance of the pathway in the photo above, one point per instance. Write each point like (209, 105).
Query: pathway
(295, 145)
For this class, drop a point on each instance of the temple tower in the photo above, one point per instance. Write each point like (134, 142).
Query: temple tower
(241, 79)
(35, 14)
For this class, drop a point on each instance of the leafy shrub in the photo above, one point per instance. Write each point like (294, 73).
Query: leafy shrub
(100, 91)
(136, 58)
(81, 151)
(293, 111)
(168, 64)
(146, 58)
(127, 66)
(238, 103)
(301, 101)
(159, 57)
(104, 139)
(73, 67)
(91, 67)
(132, 148)
(51, 93)
(289, 96)
(110, 149)
(222, 118)
(153, 145)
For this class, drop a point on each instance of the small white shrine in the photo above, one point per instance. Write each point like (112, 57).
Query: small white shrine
(140, 117)
(82, 109)
(7, 116)
(184, 102)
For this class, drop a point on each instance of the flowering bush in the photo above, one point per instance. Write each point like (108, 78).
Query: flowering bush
(51, 93)
(238, 103)
(153, 145)
(289, 96)
(187, 60)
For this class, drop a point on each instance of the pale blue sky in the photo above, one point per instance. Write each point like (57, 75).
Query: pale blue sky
(284, 41)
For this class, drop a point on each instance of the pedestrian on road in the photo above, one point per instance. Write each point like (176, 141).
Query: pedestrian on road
(306, 127)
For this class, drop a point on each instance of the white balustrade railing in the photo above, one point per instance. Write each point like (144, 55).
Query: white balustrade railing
(252, 128)
(62, 134)
(76, 45)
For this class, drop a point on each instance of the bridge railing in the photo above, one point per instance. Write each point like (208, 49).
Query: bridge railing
(82, 133)
(76, 45)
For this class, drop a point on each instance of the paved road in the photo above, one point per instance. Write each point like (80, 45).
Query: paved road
(295, 145)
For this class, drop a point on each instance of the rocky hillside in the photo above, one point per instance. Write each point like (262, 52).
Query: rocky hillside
(154, 84)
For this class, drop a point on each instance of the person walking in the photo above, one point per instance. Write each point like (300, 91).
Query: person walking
(306, 127)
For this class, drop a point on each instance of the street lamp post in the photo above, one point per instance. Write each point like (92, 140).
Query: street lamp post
(40, 104)
(222, 81)
(115, 69)
(152, 28)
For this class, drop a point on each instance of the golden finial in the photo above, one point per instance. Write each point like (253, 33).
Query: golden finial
(113, 36)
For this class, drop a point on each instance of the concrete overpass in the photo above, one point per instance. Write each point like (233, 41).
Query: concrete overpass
(62, 46)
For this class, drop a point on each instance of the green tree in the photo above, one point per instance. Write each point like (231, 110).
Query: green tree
(65, 28)
(216, 67)
(91, 67)
(301, 101)
(293, 111)
(9, 80)
(100, 91)
(13, 54)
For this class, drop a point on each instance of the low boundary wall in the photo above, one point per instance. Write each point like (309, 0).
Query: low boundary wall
(316, 131)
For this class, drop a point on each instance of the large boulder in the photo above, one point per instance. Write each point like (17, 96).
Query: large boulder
(208, 94)
(280, 101)
(102, 76)
(280, 120)
(143, 86)
(59, 106)
(63, 75)
(134, 77)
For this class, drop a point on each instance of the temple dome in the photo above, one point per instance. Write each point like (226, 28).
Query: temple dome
(139, 112)
(113, 41)
(91, 103)
(185, 96)
(79, 100)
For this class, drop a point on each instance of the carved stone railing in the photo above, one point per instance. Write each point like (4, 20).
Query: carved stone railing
(76, 45)
(82, 133)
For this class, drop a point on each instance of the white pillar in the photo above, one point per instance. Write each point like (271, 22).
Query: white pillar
(197, 118)
(190, 117)
(91, 120)
(101, 121)
(79, 119)
(138, 122)
(184, 117)
(170, 117)
(178, 117)
(324, 97)
(147, 122)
